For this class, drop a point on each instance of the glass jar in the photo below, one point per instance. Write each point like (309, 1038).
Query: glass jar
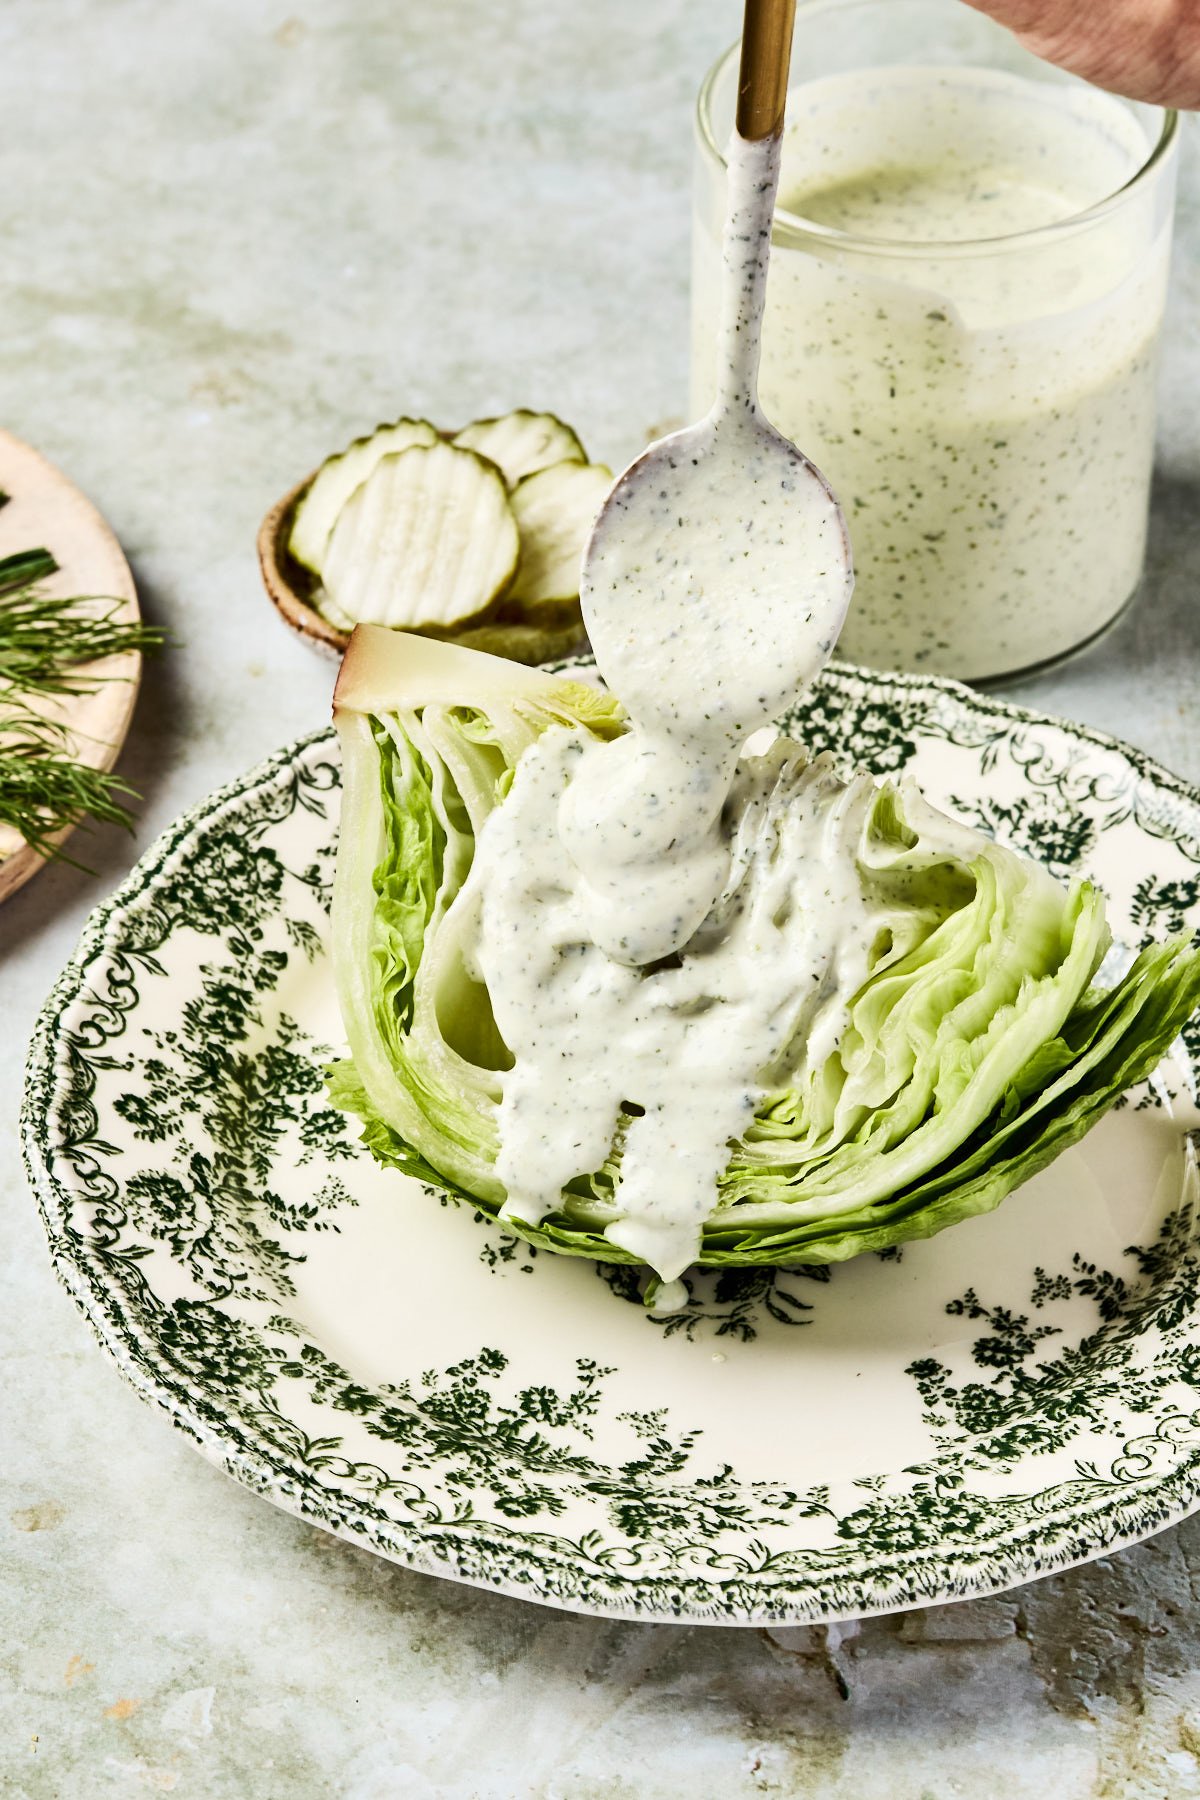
(967, 283)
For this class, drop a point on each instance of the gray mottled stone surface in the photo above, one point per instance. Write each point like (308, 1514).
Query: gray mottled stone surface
(232, 235)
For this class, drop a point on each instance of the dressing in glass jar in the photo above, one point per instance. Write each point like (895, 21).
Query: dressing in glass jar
(967, 283)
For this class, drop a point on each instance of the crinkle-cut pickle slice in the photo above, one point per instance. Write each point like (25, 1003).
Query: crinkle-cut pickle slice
(336, 480)
(427, 543)
(555, 510)
(521, 442)
(519, 641)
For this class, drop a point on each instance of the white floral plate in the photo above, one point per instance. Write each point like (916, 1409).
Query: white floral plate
(1018, 1394)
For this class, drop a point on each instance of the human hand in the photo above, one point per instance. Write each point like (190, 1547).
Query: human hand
(1145, 49)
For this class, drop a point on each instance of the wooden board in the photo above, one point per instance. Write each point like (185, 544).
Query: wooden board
(45, 510)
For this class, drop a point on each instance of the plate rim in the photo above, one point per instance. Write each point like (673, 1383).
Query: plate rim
(1029, 1554)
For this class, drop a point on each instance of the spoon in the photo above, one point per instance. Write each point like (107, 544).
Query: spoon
(718, 573)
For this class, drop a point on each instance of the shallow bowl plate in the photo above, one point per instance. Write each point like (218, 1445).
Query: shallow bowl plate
(1016, 1395)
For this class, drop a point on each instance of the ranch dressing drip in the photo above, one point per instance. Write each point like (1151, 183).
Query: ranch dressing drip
(657, 930)
(759, 993)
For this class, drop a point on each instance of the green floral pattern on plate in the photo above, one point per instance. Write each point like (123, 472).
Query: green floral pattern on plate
(203, 1205)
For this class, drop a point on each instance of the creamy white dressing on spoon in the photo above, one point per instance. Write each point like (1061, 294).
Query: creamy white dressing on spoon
(714, 586)
(662, 925)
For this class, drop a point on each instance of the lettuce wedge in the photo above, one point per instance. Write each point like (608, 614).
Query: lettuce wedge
(977, 1046)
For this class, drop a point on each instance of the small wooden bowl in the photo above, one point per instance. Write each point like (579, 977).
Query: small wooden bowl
(288, 583)
(291, 588)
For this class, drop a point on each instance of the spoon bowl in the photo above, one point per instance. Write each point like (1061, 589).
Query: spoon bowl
(720, 553)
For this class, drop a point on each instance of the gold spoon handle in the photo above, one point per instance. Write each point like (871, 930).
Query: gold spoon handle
(763, 77)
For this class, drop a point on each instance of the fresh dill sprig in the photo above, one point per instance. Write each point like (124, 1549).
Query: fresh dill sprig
(24, 567)
(42, 788)
(44, 641)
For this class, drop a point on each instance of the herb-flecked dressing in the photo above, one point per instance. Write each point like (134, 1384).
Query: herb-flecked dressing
(655, 930)
(986, 416)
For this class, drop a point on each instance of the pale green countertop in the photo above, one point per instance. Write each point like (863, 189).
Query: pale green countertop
(234, 235)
